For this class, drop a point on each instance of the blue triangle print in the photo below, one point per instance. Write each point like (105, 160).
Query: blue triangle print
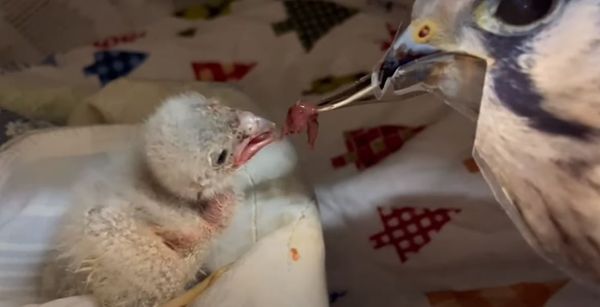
(111, 65)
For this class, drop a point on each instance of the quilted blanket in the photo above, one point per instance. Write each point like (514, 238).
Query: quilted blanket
(407, 218)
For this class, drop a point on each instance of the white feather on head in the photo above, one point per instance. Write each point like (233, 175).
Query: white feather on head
(182, 139)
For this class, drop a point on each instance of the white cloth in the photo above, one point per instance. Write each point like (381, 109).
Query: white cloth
(463, 240)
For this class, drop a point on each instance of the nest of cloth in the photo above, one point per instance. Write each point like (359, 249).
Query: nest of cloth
(406, 217)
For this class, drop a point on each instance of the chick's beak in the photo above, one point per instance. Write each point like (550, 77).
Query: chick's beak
(257, 133)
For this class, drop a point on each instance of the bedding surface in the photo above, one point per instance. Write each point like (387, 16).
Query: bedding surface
(407, 218)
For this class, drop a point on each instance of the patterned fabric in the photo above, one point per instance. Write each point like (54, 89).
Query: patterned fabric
(187, 32)
(211, 71)
(408, 229)
(209, 10)
(12, 125)
(331, 83)
(391, 5)
(367, 147)
(47, 14)
(518, 295)
(312, 19)
(116, 40)
(12, 67)
(412, 160)
(111, 65)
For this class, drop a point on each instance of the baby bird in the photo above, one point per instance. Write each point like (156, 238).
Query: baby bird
(138, 232)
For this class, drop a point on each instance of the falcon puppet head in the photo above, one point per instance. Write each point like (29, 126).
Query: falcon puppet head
(529, 72)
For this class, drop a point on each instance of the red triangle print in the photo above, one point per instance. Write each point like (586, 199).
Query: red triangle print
(219, 72)
(391, 30)
(112, 41)
(409, 229)
(369, 146)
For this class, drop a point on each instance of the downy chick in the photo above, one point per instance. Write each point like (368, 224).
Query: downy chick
(139, 232)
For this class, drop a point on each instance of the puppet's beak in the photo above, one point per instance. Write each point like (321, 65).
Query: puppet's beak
(411, 69)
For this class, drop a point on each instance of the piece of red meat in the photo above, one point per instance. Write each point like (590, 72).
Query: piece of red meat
(303, 116)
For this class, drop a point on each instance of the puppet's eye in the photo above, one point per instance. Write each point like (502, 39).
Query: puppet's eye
(514, 17)
(522, 12)
(220, 158)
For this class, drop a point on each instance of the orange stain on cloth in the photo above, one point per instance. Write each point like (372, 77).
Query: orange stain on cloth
(294, 254)
(517, 295)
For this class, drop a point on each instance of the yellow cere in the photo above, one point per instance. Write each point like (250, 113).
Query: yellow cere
(423, 31)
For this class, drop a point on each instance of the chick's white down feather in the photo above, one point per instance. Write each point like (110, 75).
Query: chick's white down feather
(138, 231)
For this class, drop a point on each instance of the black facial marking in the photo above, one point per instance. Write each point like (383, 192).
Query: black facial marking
(578, 245)
(517, 205)
(574, 167)
(517, 92)
(551, 214)
(579, 169)
(560, 230)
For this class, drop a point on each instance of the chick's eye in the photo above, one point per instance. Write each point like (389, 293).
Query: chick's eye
(522, 12)
(221, 158)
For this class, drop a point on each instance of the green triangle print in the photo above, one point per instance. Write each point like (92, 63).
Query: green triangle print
(312, 19)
